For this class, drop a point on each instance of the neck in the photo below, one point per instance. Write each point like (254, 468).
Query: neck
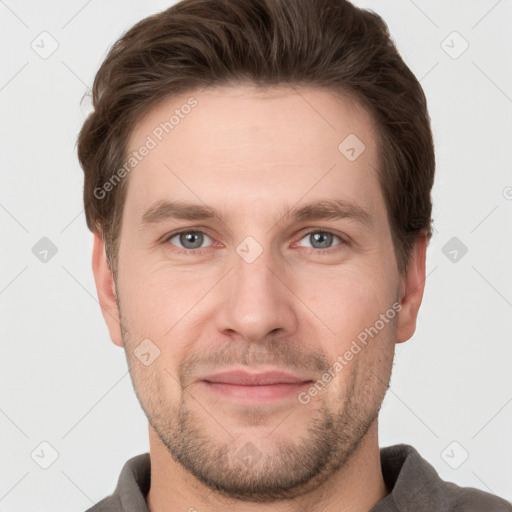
(356, 487)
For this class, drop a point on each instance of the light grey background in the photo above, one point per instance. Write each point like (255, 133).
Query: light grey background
(62, 380)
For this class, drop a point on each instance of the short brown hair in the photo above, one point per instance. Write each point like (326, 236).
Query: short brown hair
(329, 44)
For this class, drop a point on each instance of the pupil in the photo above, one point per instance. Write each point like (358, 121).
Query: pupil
(321, 235)
(186, 238)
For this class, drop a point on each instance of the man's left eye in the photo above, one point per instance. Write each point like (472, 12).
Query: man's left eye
(322, 238)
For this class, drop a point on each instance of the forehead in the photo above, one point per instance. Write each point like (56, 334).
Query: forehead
(251, 147)
(306, 113)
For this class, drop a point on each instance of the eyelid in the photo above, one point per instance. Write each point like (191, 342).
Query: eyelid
(344, 239)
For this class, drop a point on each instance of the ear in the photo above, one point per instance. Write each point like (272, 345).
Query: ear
(106, 288)
(411, 291)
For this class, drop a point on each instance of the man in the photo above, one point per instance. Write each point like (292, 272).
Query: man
(257, 179)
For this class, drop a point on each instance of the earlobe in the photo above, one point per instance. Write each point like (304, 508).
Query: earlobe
(106, 289)
(411, 291)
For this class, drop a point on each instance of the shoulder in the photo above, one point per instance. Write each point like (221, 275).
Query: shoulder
(469, 499)
(108, 504)
(414, 482)
(132, 487)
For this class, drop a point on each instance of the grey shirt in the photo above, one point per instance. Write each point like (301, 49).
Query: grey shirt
(413, 485)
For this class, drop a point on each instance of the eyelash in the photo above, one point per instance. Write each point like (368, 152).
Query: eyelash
(309, 250)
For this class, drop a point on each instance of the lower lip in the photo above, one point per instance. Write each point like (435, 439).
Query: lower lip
(256, 393)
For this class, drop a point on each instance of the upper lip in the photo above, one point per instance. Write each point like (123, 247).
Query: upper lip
(244, 378)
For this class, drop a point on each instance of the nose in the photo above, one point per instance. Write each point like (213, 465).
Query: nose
(257, 300)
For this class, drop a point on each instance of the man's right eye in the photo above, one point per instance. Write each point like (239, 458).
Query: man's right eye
(190, 240)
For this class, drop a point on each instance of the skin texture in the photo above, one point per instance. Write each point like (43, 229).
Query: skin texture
(252, 155)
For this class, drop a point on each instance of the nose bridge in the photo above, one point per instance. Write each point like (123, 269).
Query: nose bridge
(255, 267)
(254, 272)
(257, 301)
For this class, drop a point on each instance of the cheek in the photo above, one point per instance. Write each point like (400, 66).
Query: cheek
(158, 304)
(156, 298)
(347, 300)
(361, 341)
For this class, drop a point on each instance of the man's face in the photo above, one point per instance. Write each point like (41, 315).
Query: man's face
(256, 289)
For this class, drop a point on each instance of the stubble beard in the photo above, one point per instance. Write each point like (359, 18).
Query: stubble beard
(279, 468)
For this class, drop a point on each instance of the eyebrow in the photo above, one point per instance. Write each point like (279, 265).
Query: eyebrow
(165, 210)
